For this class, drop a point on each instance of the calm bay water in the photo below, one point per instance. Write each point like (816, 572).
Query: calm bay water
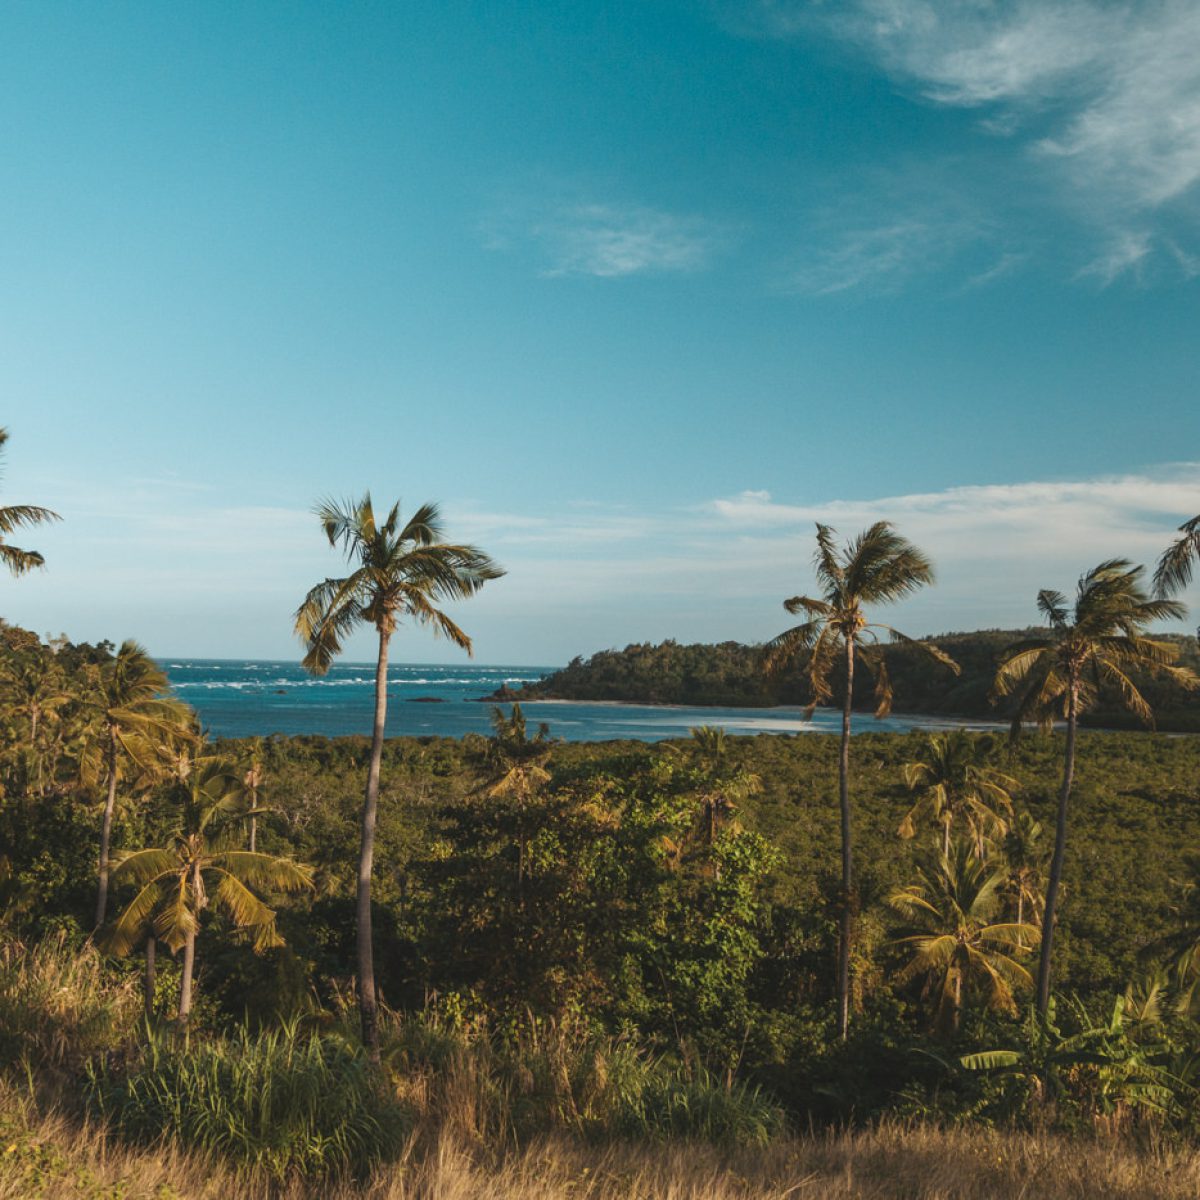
(242, 698)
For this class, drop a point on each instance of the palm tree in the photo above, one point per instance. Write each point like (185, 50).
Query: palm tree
(517, 769)
(134, 718)
(1096, 644)
(1026, 861)
(955, 778)
(201, 868)
(722, 785)
(252, 781)
(35, 689)
(877, 567)
(1174, 570)
(957, 945)
(400, 570)
(20, 516)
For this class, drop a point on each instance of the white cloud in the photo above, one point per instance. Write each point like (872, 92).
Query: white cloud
(225, 580)
(608, 240)
(1103, 96)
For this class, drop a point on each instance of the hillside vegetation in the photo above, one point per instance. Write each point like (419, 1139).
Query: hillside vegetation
(730, 674)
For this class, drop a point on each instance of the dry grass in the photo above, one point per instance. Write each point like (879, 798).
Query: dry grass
(54, 1158)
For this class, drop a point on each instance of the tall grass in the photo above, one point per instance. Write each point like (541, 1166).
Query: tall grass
(562, 1076)
(58, 1005)
(282, 1102)
(53, 1157)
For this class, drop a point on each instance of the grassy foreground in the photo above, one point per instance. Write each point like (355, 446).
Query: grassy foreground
(54, 1157)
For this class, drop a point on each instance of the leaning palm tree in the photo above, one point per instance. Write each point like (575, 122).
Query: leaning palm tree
(877, 567)
(20, 516)
(400, 571)
(201, 867)
(1174, 570)
(958, 947)
(1095, 644)
(955, 779)
(133, 717)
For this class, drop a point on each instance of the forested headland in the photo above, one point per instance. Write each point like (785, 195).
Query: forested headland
(730, 674)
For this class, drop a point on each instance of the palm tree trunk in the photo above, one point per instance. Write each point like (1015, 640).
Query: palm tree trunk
(253, 833)
(1050, 908)
(185, 982)
(846, 917)
(149, 981)
(106, 831)
(367, 1007)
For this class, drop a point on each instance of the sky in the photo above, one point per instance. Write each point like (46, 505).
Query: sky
(636, 292)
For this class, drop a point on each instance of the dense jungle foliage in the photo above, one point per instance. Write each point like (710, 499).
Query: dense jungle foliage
(729, 674)
(675, 904)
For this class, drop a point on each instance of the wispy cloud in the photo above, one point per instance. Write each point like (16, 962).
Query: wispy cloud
(1101, 96)
(607, 240)
(225, 580)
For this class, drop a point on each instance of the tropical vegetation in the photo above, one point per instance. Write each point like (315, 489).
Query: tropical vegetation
(614, 956)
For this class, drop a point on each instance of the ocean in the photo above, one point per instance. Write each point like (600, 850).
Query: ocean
(244, 698)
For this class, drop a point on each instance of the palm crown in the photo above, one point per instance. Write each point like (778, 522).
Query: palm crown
(20, 516)
(877, 567)
(1096, 643)
(400, 570)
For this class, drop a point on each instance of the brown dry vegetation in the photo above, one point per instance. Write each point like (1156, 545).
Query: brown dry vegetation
(52, 1157)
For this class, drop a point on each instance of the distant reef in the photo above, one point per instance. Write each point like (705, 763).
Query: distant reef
(729, 675)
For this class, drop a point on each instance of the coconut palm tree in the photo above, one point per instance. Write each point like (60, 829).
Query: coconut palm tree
(1094, 645)
(132, 718)
(35, 690)
(400, 570)
(877, 567)
(252, 781)
(20, 516)
(200, 868)
(722, 786)
(1025, 857)
(958, 947)
(955, 779)
(516, 765)
(1174, 570)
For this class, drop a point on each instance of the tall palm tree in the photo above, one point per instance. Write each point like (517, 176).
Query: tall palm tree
(252, 781)
(1093, 645)
(399, 571)
(1174, 570)
(957, 945)
(955, 779)
(877, 567)
(133, 717)
(20, 516)
(201, 867)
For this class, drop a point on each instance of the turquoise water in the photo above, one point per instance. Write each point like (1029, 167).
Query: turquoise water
(243, 698)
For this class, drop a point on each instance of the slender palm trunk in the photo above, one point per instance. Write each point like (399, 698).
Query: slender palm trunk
(1050, 909)
(150, 977)
(189, 952)
(106, 831)
(253, 833)
(846, 917)
(367, 1007)
(185, 982)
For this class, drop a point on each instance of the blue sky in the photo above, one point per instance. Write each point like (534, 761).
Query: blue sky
(638, 292)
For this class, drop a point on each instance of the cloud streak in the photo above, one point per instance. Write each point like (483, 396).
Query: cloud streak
(1101, 97)
(608, 240)
(596, 575)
